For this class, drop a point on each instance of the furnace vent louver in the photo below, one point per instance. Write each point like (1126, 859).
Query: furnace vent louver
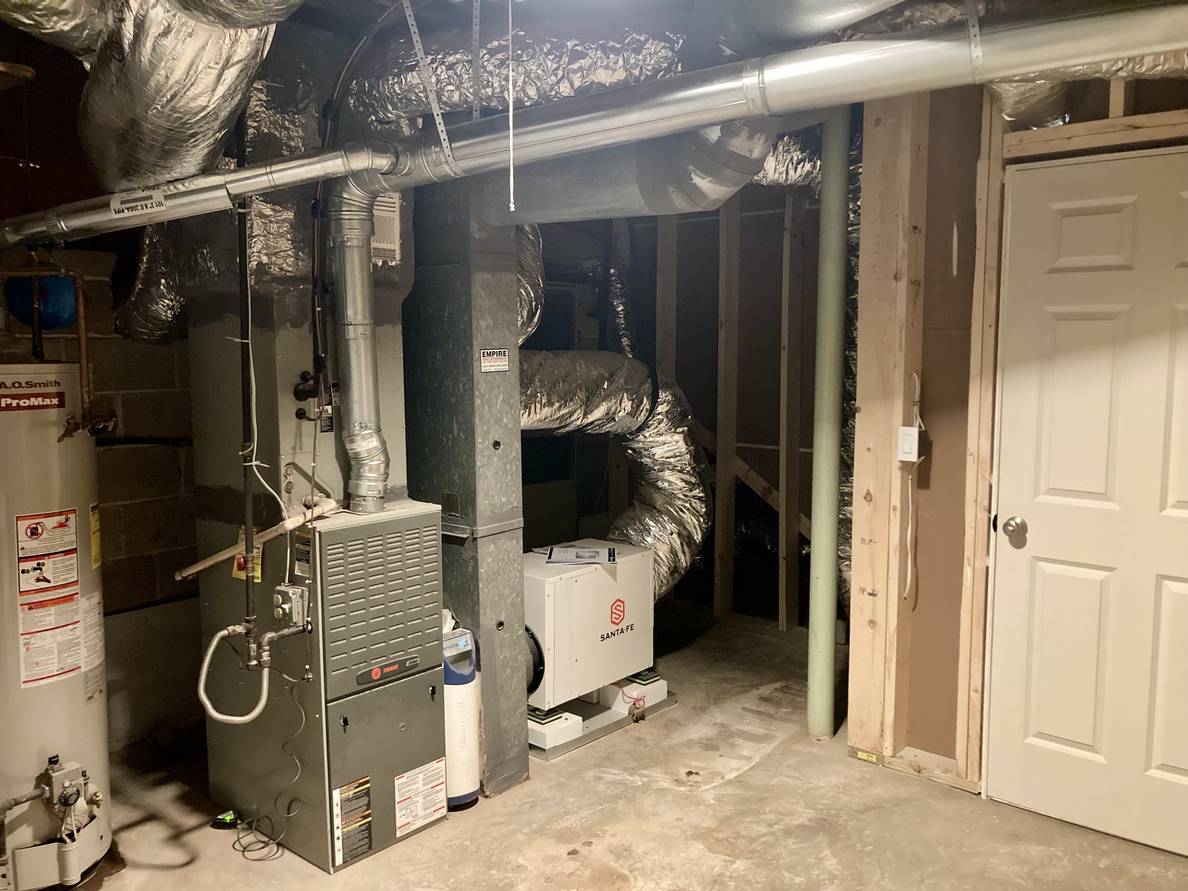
(382, 602)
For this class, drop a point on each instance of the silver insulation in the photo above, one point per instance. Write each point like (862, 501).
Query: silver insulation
(794, 160)
(238, 13)
(670, 513)
(76, 26)
(389, 89)
(529, 279)
(164, 92)
(1042, 98)
(583, 391)
(619, 299)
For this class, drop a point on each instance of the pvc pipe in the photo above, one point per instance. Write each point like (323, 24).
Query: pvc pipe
(827, 421)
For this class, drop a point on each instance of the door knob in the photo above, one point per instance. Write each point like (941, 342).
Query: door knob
(1015, 526)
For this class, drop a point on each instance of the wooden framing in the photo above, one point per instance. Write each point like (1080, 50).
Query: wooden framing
(890, 317)
(727, 426)
(880, 629)
(666, 292)
(979, 442)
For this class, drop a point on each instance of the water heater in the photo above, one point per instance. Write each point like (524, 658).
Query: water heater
(55, 816)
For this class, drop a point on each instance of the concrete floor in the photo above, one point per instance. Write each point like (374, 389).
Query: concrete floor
(722, 791)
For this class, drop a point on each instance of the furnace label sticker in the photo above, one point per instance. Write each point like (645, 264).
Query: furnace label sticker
(352, 820)
(50, 635)
(420, 797)
(494, 360)
(92, 644)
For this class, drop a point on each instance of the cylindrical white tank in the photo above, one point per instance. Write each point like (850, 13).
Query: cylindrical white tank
(53, 701)
(463, 761)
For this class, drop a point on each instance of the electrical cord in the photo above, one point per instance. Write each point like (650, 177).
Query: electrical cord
(911, 586)
(251, 841)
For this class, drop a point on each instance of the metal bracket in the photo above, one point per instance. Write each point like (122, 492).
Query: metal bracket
(976, 56)
(430, 85)
(464, 532)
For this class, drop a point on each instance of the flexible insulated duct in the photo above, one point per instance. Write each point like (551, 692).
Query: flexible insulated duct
(583, 391)
(529, 279)
(388, 89)
(164, 92)
(76, 26)
(239, 13)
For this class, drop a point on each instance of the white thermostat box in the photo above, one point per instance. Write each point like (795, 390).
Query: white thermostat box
(594, 622)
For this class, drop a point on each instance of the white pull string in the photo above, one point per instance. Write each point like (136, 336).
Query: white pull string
(511, 114)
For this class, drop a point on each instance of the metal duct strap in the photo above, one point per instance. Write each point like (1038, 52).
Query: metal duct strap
(74, 25)
(239, 13)
(163, 93)
(671, 510)
(583, 391)
(530, 279)
(389, 88)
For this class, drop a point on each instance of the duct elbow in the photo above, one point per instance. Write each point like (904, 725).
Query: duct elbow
(368, 484)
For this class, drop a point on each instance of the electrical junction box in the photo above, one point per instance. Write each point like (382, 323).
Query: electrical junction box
(594, 622)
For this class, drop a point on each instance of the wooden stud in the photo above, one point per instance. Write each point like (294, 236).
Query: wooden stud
(979, 447)
(1138, 131)
(1121, 98)
(792, 299)
(666, 295)
(728, 288)
(890, 309)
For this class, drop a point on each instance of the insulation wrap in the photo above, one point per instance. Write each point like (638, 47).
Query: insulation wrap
(389, 88)
(583, 391)
(529, 279)
(76, 26)
(618, 296)
(794, 160)
(671, 510)
(238, 13)
(163, 93)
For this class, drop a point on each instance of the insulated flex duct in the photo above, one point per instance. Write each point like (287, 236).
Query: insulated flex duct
(389, 89)
(164, 92)
(76, 26)
(670, 512)
(238, 13)
(583, 391)
(529, 279)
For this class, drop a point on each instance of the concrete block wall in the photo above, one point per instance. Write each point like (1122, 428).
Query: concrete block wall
(146, 478)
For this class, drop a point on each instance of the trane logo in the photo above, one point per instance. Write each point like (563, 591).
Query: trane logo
(30, 384)
(33, 401)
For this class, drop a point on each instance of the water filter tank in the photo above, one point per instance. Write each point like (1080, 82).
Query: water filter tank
(54, 770)
(461, 719)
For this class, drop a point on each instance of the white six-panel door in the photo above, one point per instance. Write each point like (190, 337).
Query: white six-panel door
(1088, 696)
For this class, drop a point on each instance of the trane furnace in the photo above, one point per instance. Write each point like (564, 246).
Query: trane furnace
(349, 756)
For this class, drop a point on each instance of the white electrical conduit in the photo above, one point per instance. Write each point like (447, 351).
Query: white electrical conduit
(213, 713)
(822, 76)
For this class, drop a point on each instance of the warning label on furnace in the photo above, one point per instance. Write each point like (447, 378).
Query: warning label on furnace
(50, 612)
(352, 820)
(420, 797)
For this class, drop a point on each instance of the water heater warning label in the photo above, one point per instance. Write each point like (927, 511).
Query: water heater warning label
(420, 797)
(352, 820)
(50, 628)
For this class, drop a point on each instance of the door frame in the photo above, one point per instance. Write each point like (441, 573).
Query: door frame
(1116, 136)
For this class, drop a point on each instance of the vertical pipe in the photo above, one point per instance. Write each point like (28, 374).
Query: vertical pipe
(827, 421)
(247, 396)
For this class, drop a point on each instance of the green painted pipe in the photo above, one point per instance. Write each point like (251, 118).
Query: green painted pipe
(827, 420)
